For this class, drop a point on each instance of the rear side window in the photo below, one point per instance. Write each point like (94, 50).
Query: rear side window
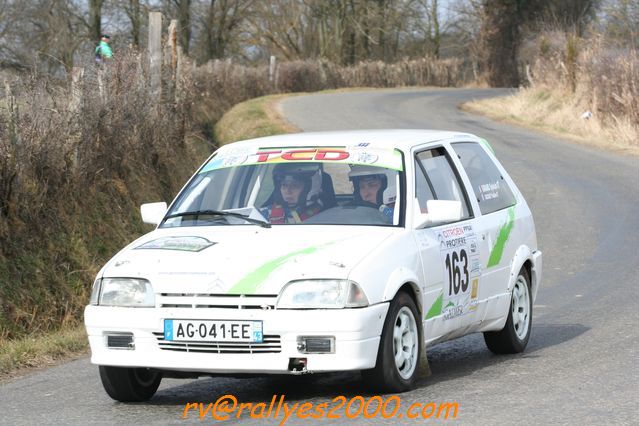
(490, 187)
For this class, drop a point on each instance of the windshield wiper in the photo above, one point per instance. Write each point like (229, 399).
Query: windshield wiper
(221, 213)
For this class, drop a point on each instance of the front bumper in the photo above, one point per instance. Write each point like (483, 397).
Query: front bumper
(356, 331)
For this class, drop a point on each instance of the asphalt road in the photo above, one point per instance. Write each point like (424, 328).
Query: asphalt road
(581, 365)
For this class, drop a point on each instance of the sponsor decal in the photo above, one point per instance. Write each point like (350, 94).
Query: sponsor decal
(177, 243)
(489, 191)
(360, 154)
(462, 270)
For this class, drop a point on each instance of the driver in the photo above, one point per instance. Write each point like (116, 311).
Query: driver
(295, 196)
(369, 186)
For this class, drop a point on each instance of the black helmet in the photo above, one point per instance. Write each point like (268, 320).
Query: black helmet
(307, 173)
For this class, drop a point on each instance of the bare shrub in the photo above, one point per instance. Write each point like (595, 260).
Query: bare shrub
(219, 85)
(612, 79)
(222, 84)
(300, 76)
(70, 180)
(598, 76)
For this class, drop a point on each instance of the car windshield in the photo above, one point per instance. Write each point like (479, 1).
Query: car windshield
(293, 186)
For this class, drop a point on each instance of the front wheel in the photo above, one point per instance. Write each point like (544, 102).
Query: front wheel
(130, 384)
(400, 347)
(513, 338)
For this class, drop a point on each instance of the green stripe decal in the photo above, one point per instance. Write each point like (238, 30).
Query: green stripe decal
(252, 280)
(504, 232)
(436, 309)
(487, 145)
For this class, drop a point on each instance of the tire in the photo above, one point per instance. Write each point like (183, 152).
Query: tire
(390, 375)
(513, 338)
(130, 384)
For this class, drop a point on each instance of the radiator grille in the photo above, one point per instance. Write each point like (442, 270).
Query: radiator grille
(271, 344)
(219, 301)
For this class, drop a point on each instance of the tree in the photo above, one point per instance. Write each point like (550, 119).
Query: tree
(500, 34)
(183, 8)
(500, 41)
(221, 24)
(571, 15)
(424, 32)
(95, 19)
(133, 12)
(436, 37)
(621, 22)
(47, 33)
(343, 31)
(283, 27)
(9, 57)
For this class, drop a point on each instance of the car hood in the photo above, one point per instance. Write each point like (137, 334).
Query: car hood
(243, 259)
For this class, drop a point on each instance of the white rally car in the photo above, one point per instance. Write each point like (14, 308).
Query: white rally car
(320, 252)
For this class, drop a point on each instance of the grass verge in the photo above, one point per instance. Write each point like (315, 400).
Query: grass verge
(559, 114)
(24, 354)
(253, 119)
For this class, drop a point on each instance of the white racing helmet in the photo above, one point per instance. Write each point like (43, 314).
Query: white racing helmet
(387, 192)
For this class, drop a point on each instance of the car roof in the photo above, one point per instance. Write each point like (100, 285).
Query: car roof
(403, 139)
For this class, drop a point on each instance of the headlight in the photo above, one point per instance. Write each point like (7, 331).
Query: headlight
(126, 292)
(322, 294)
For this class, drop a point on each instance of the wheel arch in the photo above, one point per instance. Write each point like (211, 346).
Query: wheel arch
(404, 279)
(525, 259)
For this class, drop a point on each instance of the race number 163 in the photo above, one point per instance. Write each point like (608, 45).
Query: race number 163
(457, 268)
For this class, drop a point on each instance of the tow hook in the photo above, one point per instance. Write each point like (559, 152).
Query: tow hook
(297, 366)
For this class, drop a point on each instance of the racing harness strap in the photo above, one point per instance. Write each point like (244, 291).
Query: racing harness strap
(280, 215)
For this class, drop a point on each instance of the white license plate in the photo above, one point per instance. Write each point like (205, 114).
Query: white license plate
(213, 330)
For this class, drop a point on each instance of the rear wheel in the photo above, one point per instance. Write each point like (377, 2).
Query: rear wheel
(130, 384)
(513, 338)
(400, 347)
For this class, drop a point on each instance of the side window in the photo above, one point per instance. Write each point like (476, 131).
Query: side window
(491, 189)
(422, 187)
(435, 179)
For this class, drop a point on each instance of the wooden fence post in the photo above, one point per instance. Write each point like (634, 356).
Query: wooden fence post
(272, 71)
(155, 54)
(178, 74)
(10, 172)
(12, 108)
(322, 73)
(173, 45)
(174, 57)
(139, 70)
(76, 89)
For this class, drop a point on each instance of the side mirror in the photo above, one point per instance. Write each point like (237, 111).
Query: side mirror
(153, 213)
(439, 212)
